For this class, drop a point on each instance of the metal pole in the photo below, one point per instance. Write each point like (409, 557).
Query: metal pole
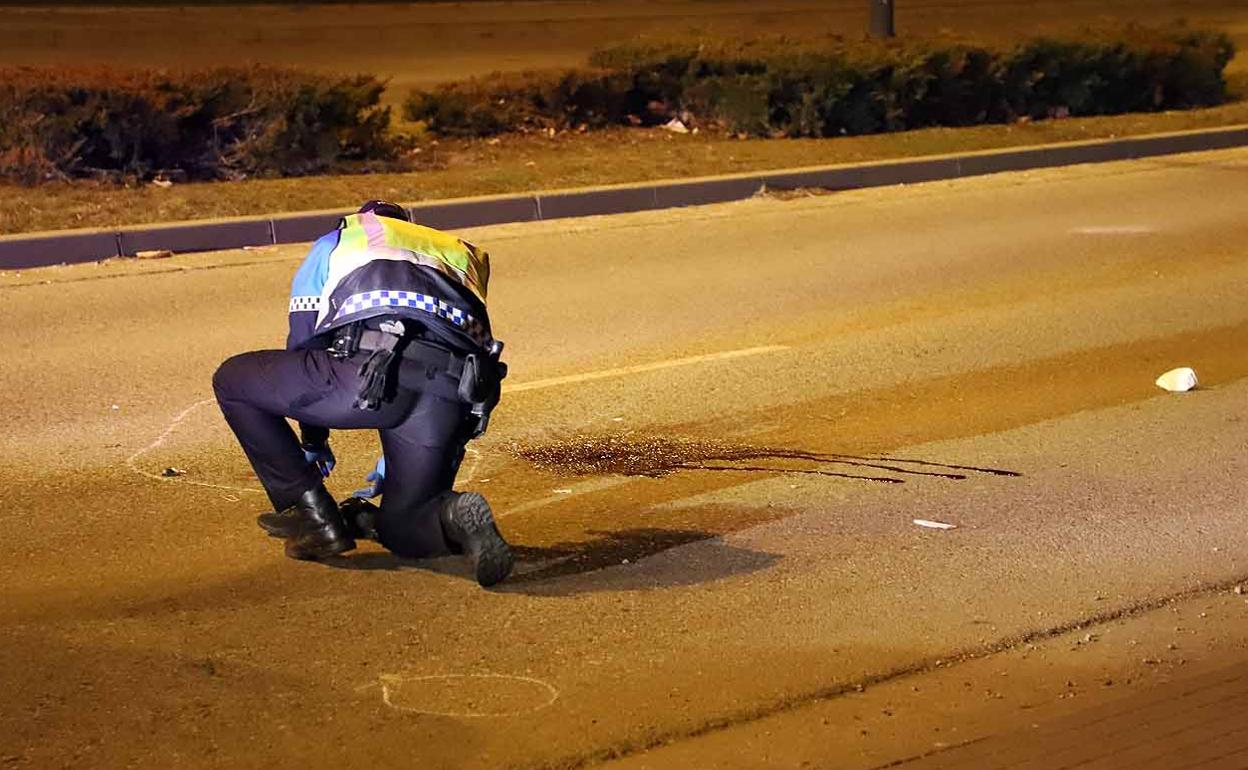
(882, 18)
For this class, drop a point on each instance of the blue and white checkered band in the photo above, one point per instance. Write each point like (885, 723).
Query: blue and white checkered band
(389, 298)
(298, 304)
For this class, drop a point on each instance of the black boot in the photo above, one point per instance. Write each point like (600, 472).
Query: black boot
(319, 531)
(358, 514)
(468, 523)
(281, 524)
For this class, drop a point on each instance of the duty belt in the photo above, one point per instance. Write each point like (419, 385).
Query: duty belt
(354, 339)
(432, 356)
(480, 375)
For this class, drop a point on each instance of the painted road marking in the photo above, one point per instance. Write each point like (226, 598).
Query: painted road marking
(1114, 230)
(603, 374)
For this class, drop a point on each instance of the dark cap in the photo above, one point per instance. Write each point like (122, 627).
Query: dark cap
(385, 209)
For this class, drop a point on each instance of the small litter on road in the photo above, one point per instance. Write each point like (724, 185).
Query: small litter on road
(259, 248)
(154, 254)
(934, 524)
(1178, 380)
(171, 472)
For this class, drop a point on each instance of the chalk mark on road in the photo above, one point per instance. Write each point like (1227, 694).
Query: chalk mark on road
(132, 460)
(391, 684)
(467, 475)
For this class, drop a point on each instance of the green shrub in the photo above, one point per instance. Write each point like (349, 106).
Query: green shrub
(829, 87)
(208, 124)
(1138, 71)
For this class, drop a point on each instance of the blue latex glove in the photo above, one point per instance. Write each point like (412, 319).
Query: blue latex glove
(376, 477)
(322, 457)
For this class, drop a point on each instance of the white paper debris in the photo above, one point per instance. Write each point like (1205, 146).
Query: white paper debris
(934, 524)
(675, 126)
(154, 254)
(1178, 380)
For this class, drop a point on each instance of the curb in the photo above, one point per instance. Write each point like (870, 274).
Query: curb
(68, 246)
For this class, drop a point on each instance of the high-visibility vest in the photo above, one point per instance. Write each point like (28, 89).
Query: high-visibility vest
(367, 237)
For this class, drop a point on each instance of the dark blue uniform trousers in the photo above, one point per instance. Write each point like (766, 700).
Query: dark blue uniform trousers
(421, 432)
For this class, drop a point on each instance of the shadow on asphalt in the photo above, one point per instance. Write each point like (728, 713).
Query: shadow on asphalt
(570, 568)
(588, 554)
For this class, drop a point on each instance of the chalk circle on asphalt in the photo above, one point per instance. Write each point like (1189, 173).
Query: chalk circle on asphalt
(466, 695)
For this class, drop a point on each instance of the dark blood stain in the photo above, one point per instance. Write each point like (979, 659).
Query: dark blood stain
(655, 456)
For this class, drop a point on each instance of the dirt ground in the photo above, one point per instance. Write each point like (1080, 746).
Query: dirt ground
(422, 44)
(721, 425)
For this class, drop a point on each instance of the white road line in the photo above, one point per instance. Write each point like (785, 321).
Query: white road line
(603, 374)
(1114, 230)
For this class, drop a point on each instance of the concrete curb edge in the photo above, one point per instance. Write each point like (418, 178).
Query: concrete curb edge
(28, 250)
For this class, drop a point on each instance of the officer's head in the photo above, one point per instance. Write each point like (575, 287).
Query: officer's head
(385, 209)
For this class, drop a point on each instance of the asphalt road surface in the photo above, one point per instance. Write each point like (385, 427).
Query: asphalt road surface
(721, 425)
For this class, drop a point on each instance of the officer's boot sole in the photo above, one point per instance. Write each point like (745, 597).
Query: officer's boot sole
(480, 538)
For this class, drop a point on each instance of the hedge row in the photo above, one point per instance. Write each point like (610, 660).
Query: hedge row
(778, 89)
(207, 124)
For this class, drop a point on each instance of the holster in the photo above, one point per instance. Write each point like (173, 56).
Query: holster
(480, 386)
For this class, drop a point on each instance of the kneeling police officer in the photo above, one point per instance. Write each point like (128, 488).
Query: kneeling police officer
(388, 331)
